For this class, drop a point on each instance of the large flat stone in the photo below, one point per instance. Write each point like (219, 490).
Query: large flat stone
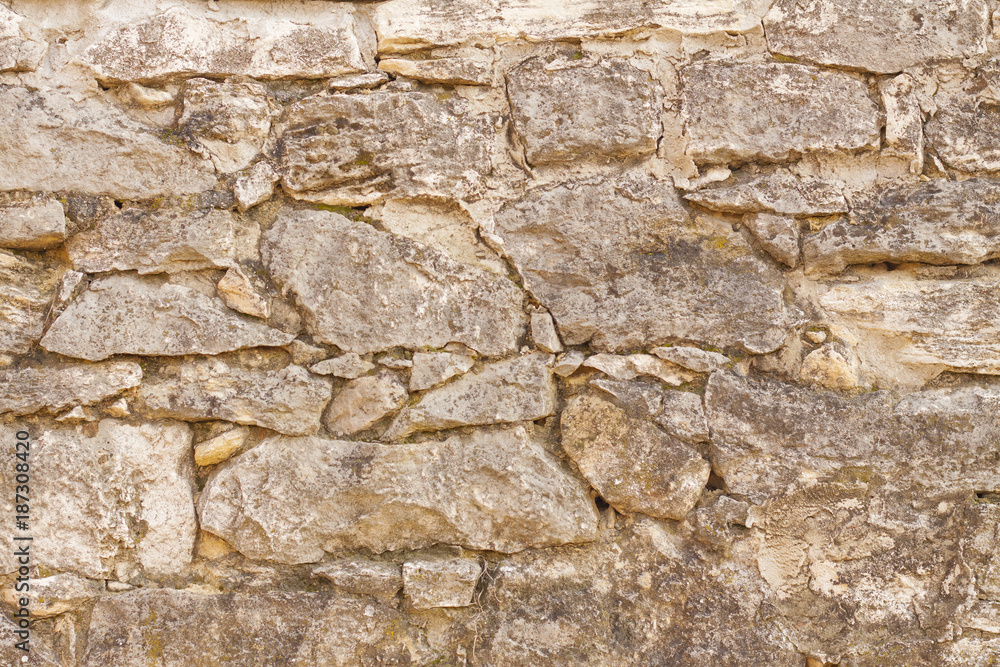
(779, 192)
(335, 149)
(51, 142)
(125, 314)
(364, 290)
(511, 390)
(618, 264)
(162, 241)
(27, 289)
(181, 628)
(498, 490)
(965, 134)
(177, 44)
(769, 437)
(106, 493)
(935, 222)
(408, 25)
(635, 466)
(876, 36)
(775, 112)
(54, 387)
(954, 323)
(289, 400)
(567, 111)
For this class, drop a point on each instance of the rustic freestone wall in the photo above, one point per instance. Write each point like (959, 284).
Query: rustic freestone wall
(504, 333)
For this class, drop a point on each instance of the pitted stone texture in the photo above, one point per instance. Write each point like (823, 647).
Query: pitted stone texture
(441, 582)
(51, 596)
(779, 192)
(37, 224)
(951, 322)
(289, 400)
(27, 289)
(566, 111)
(19, 52)
(769, 437)
(182, 628)
(364, 290)
(498, 490)
(110, 490)
(54, 387)
(936, 222)
(618, 264)
(966, 134)
(632, 464)
(229, 121)
(777, 234)
(51, 142)
(256, 187)
(362, 403)
(679, 413)
(904, 120)
(239, 292)
(162, 241)
(774, 112)
(452, 71)
(692, 358)
(433, 368)
(363, 577)
(882, 37)
(349, 366)
(125, 314)
(335, 149)
(176, 45)
(410, 25)
(511, 390)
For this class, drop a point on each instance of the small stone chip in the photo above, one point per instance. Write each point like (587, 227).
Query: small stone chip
(221, 447)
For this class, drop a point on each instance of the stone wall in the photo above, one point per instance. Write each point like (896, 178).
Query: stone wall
(503, 333)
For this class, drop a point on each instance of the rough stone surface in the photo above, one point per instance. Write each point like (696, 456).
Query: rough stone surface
(349, 366)
(177, 44)
(27, 390)
(692, 358)
(632, 464)
(454, 71)
(364, 290)
(35, 225)
(769, 437)
(239, 293)
(256, 187)
(363, 577)
(647, 278)
(565, 110)
(112, 492)
(441, 582)
(938, 222)
(779, 193)
(964, 133)
(628, 367)
(777, 234)
(388, 497)
(50, 142)
(289, 400)
(904, 120)
(439, 148)
(123, 314)
(567, 364)
(18, 53)
(679, 413)
(544, 334)
(883, 37)
(511, 390)
(433, 368)
(58, 594)
(364, 402)
(221, 447)
(164, 241)
(774, 112)
(27, 289)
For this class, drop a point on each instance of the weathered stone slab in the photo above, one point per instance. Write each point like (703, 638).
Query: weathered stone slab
(904, 121)
(125, 314)
(222, 447)
(55, 387)
(51, 596)
(511, 390)
(37, 224)
(779, 192)
(631, 366)
(966, 134)
(950, 322)
(774, 112)
(239, 292)
(454, 71)
(768, 437)
(777, 234)
(175, 45)
(251, 630)
(433, 368)
(883, 37)
(935, 222)
(19, 52)
(349, 366)
(692, 358)
(567, 111)
(27, 289)
(334, 149)
(409, 25)
(256, 187)
(679, 413)
(289, 400)
(51, 142)
(162, 241)
(498, 490)
(364, 290)
(632, 464)
(364, 402)
(619, 265)
(441, 582)
(544, 334)
(110, 491)
(363, 577)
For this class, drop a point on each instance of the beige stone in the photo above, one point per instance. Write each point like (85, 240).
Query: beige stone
(543, 333)
(441, 582)
(904, 121)
(35, 225)
(779, 192)
(362, 403)
(221, 447)
(454, 71)
(28, 287)
(349, 366)
(433, 368)
(777, 234)
(58, 594)
(57, 386)
(692, 358)
(19, 52)
(239, 293)
(363, 577)
(829, 368)
(256, 187)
